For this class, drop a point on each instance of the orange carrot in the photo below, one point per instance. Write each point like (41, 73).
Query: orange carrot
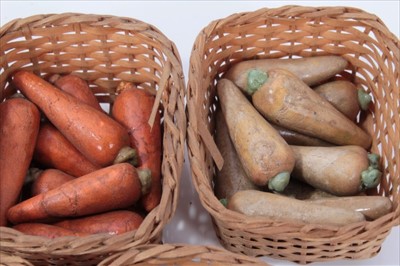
(45, 230)
(19, 127)
(55, 151)
(49, 179)
(113, 223)
(113, 187)
(132, 108)
(97, 136)
(76, 87)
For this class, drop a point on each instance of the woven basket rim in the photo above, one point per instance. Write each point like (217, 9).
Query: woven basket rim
(176, 253)
(155, 220)
(14, 24)
(200, 139)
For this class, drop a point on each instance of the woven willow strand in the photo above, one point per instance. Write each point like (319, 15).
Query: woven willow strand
(178, 254)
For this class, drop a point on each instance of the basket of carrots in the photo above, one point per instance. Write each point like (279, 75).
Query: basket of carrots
(178, 254)
(93, 129)
(293, 132)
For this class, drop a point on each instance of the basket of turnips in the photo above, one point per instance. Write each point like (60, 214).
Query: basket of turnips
(93, 130)
(293, 118)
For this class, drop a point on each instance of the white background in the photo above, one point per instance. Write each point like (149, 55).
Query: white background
(181, 21)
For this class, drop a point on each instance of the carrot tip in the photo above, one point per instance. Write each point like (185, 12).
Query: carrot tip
(122, 86)
(364, 99)
(145, 180)
(54, 78)
(279, 182)
(255, 79)
(126, 154)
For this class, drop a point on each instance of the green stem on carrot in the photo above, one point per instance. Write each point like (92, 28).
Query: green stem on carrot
(145, 180)
(364, 99)
(279, 182)
(255, 79)
(370, 178)
(224, 202)
(32, 174)
(374, 160)
(17, 95)
(127, 154)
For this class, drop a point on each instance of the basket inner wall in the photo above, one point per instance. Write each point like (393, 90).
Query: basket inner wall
(103, 56)
(102, 50)
(373, 66)
(373, 59)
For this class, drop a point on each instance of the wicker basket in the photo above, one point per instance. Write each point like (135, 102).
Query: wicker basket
(178, 254)
(103, 50)
(10, 260)
(297, 31)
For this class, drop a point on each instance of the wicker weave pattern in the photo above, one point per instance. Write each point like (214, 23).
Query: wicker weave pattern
(296, 31)
(178, 254)
(103, 50)
(7, 259)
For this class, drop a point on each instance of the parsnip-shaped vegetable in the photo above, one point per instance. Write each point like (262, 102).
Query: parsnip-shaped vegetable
(232, 177)
(281, 208)
(339, 170)
(372, 207)
(296, 138)
(287, 101)
(265, 156)
(311, 70)
(343, 95)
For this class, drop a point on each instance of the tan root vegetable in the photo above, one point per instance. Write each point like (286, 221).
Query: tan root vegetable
(113, 187)
(49, 179)
(296, 138)
(287, 101)
(339, 170)
(265, 156)
(303, 191)
(285, 209)
(342, 95)
(232, 177)
(113, 223)
(372, 207)
(97, 136)
(311, 70)
(19, 127)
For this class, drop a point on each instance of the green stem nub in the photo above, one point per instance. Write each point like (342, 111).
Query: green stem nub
(364, 99)
(279, 182)
(128, 155)
(145, 179)
(374, 160)
(17, 95)
(370, 178)
(224, 202)
(32, 174)
(255, 79)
